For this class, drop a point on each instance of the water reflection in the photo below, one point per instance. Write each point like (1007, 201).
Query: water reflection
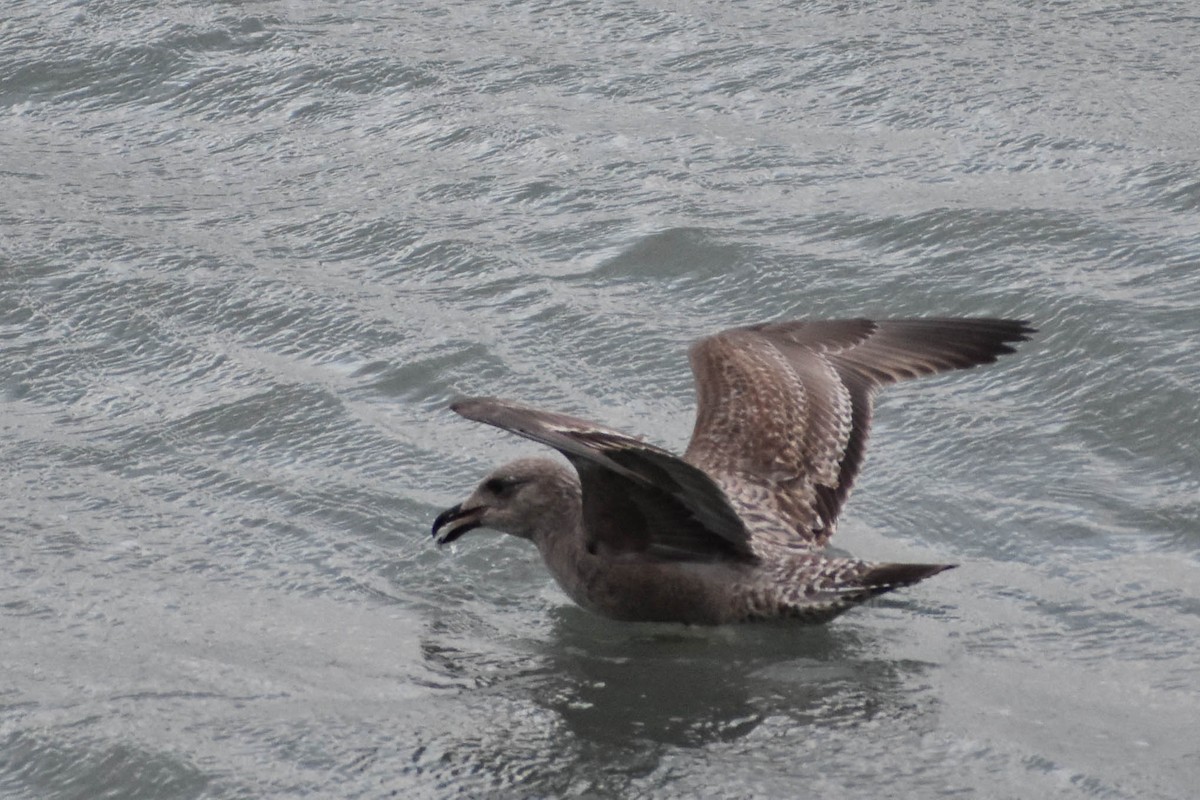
(557, 701)
(617, 683)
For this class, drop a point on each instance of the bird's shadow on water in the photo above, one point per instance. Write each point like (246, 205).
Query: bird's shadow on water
(624, 683)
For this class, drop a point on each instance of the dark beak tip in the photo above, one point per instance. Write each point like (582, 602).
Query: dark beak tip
(442, 541)
(444, 519)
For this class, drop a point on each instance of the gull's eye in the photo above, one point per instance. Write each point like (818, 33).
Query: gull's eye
(501, 487)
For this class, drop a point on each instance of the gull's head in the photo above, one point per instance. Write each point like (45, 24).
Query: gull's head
(519, 497)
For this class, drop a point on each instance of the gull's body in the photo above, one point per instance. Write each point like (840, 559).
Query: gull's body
(733, 530)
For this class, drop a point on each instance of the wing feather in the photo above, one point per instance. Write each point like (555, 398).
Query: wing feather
(636, 497)
(783, 409)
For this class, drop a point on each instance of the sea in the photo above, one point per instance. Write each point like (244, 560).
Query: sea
(250, 251)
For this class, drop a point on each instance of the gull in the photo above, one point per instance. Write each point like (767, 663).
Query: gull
(735, 529)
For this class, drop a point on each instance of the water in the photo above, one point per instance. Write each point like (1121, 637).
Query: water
(250, 250)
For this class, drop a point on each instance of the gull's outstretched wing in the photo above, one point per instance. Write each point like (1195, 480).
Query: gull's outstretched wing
(783, 408)
(637, 498)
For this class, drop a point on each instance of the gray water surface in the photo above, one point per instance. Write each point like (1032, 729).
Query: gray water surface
(248, 251)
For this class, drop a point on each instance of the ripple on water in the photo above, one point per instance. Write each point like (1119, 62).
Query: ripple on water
(250, 252)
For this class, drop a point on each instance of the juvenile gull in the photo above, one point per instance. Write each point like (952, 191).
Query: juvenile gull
(733, 530)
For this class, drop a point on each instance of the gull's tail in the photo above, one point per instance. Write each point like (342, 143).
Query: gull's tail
(817, 589)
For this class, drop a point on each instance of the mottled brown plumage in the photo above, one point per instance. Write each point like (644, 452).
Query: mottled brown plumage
(784, 408)
(731, 531)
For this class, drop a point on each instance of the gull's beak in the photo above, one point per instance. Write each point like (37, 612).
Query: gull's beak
(454, 522)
